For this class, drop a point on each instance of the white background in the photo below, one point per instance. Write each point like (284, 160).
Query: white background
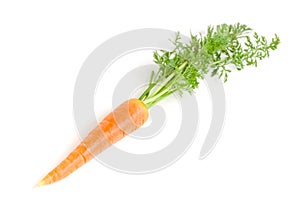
(42, 47)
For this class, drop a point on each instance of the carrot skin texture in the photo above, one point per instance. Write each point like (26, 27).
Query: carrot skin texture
(126, 118)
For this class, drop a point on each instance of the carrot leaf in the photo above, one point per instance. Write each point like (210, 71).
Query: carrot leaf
(222, 49)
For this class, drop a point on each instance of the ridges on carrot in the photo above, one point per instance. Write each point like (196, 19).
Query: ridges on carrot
(126, 118)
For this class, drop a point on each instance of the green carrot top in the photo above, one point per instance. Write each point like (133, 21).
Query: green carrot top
(223, 48)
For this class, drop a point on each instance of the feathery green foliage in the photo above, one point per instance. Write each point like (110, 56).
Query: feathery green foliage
(223, 48)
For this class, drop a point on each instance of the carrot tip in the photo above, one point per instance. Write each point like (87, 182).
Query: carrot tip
(41, 183)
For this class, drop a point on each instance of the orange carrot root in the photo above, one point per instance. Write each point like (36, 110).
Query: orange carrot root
(126, 118)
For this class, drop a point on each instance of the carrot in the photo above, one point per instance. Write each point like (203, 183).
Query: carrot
(126, 118)
(223, 48)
